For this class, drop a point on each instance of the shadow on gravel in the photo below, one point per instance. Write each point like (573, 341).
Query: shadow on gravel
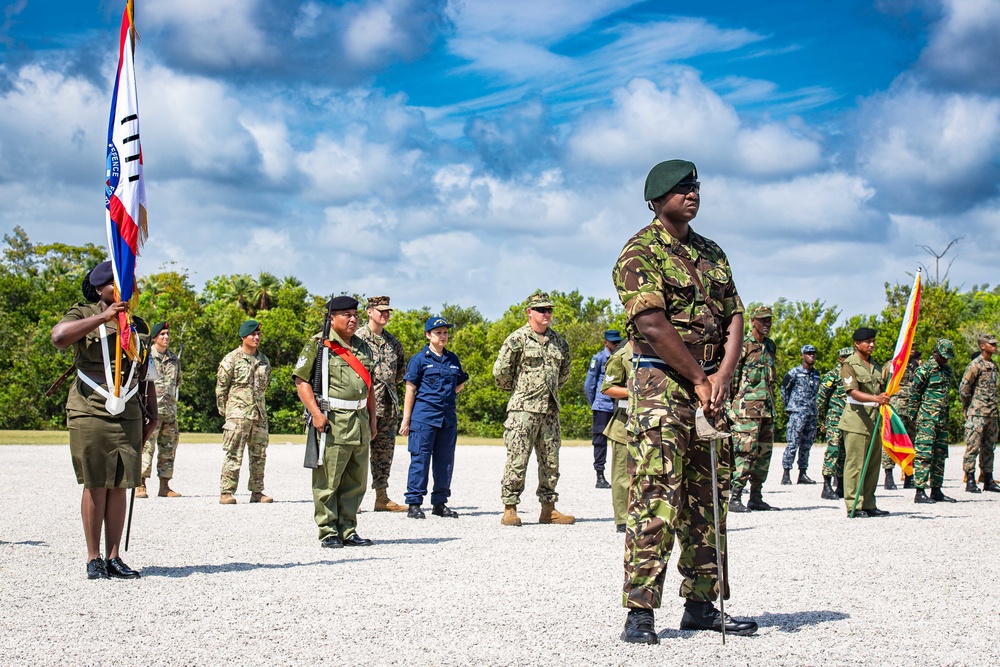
(188, 570)
(811, 507)
(795, 622)
(417, 540)
(26, 543)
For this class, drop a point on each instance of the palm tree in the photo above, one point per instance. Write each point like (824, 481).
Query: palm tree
(263, 290)
(241, 291)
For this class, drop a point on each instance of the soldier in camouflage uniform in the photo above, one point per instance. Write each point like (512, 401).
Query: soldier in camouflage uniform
(978, 394)
(830, 400)
(533, 364)
(685, 321)
(902, 404)
(931, 384)
(164, 437)
(241, 382)
(798, 392)
(390, 367)
(618, 373)
(752, 413)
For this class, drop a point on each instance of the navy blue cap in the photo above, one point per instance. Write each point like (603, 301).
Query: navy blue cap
(613, 336)
(435, 323)
(807, 348)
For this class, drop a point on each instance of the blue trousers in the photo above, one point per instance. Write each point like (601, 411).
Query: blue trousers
(431, 448)
(800, 434)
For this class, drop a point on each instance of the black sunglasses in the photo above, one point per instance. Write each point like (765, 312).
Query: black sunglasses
(686, 188)
(542, 310)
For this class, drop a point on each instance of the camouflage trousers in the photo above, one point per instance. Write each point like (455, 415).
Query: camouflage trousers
(753, 442)
(238, 434)
(523, 432)
(980, 442)
(855, 452)
(163, 441)
(833, 459)
(671, 494)
(383, 446)
(620, 480)
(931, 450)
(800, 435)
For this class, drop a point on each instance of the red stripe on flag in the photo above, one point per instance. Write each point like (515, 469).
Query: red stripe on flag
(127, 229)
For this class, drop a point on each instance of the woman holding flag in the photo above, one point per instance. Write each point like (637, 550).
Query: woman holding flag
(106, 431)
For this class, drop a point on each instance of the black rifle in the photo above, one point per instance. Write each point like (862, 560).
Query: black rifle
(312, 436)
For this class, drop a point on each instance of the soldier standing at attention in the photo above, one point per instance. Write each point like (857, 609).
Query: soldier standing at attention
(241, 382)
(532, 365)
(338, 482)
(617, 374)
(164, 438)
(685, 320)
(752, 413)
(862, 380)
(830, 400)
(602, 407)
(978, 394)
(798, 393)
(390, 367)
(902, 404)
(931, 384)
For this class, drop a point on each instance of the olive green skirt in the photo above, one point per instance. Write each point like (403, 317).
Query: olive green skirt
(107, 452)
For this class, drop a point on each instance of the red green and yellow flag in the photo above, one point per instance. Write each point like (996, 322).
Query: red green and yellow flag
(895, 440)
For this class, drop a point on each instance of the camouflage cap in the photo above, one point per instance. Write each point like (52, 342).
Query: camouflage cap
(539, 299)
(664, 176)
(761, 313)
(945, 348)
(988, 338)
(248, 328)
(379, 303)
(845, 352)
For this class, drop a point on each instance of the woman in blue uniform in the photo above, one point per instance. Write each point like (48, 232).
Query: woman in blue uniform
(433, 378)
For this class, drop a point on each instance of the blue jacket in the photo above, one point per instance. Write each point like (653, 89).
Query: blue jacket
(799, 388)
(595, 377)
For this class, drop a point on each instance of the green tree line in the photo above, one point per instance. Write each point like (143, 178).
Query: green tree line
(40, 282)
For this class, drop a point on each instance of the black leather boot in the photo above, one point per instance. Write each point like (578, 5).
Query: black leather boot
(908, 482)
(840, 487)
(828, 492)
(786, 477)
(990, 485)
(939, 497)
(601, 482)
(890, 483)
(639, 628)
(736, 502)
(972, 487)
(700, 615)
(921, 498)
(804, 478)
(756, 502)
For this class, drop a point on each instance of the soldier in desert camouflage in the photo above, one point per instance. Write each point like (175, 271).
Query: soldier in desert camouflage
(163, 440)
(978, 394)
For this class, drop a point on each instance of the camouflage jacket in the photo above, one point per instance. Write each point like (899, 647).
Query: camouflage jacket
(798, 389)
(241, 383)
(753, 380)
(652, 273)
(168, 366)
(978, 389)
(390, 367)
(931, 383)
(532, 367)
(831, 397)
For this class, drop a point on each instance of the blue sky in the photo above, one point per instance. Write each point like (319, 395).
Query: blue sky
(469, 151)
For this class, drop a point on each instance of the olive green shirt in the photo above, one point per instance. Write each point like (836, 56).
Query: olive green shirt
(617, 373)
(856, 373)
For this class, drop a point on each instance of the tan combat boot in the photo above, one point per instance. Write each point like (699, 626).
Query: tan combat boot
(140, 491)
(227, 499)
(383, 504)
(510, 517)
(259, 497)
(551, 515)
(166, 491)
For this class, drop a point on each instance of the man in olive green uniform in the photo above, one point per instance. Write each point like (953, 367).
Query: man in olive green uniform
(347, 414)
(533, 364)
(165, 436)
(902, 404)
(241, 383)
(862, 380)
(830, 400)
(931, 384)
(617, 374)
(685, 321)
(752, 414)
(978, 394)
(390, 367)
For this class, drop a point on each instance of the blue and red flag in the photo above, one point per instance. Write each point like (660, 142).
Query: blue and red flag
(125, 189)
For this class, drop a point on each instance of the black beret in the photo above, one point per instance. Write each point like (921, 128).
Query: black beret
(342, 303)
(863, 333)
(248, 328)
(102, 275)
(157, 329)
(664, 176)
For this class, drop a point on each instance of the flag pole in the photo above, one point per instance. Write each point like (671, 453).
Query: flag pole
(864, 468)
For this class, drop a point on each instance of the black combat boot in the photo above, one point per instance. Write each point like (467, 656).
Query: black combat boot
(828, 492)
(908, 482)
(921, 498)
(890, 483)
(736, 501)
(699, 615)
(804, 478)
(756, 502)
(786, 477)
(939, 497)
(972, 487)
(840, 487)
(639, 628)
(601, 482)
(990, 485)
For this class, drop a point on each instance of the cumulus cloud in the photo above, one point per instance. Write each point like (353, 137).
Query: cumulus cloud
(963, 49)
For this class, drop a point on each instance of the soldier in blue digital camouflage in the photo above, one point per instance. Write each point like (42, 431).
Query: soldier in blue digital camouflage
(931, 384)
(978, 395)
(601, 406)
(798, 392)
(685, 321)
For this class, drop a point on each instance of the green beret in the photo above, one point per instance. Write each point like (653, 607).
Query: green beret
(945, 348)
(248, 328)
(539, 299)
(664, 176)
(157, 329)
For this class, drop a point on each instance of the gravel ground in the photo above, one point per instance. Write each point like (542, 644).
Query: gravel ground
(249, 584)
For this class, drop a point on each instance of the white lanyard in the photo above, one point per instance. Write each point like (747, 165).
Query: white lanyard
(115, 405)
(325, 395)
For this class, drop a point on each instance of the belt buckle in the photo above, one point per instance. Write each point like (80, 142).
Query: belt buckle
(708, 353)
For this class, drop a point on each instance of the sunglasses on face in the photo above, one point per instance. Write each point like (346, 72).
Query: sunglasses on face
(544, 311)
(686, 188)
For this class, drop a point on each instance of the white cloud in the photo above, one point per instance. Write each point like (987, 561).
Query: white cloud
(340, 170)
(963, 49)
(529, 20)
(218, 34)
